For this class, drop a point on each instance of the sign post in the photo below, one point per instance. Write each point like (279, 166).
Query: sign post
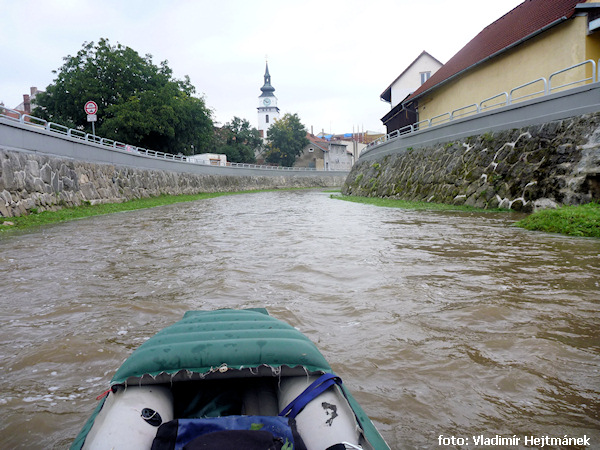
(91, 108)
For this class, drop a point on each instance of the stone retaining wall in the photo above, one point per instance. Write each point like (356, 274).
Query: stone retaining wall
(37, 182)
(541, 166)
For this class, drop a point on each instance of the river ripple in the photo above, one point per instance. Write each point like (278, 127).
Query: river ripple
(453, 324)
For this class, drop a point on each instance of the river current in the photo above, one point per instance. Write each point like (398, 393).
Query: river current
(444, 325)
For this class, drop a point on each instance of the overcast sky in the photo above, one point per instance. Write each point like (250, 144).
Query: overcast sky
(329, 59)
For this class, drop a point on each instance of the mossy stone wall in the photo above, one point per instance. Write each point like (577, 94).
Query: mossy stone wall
(542, 166)
(38, 182)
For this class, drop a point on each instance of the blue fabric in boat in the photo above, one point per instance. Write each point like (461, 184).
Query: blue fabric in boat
(180, 433)
(203, 341)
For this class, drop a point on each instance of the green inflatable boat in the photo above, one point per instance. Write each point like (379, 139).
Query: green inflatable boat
(228, 379)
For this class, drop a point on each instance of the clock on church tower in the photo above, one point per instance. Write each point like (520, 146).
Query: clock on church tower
(267, 105)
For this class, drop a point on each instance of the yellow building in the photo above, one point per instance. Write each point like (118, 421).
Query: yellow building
(531, 42)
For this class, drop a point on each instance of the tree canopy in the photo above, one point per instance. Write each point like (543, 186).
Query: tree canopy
(139, 102)
(238, 140)
(287, 138)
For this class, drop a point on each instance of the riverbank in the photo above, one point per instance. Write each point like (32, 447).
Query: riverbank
(88, 210)
(524, 169)
(580, 221)
(416, 205)
(45, 181)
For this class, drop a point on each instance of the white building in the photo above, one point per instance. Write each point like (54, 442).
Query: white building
(268, 111)
(211, 159)
(417, 73)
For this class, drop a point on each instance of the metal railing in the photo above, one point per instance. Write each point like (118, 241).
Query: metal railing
(512, 99)
(453, 115)
(494, 105)
(55, 128)
(502, 99)
(583, 80)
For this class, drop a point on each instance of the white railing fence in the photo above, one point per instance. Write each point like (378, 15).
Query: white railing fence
(27, 119)
(499, 100)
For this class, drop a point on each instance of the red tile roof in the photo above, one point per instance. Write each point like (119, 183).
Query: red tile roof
(526, 20)
(323, 144)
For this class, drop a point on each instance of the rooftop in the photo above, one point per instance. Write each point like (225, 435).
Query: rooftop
(523, 22)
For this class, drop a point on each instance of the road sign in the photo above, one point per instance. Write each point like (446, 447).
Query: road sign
(92, 118)
(91, 107)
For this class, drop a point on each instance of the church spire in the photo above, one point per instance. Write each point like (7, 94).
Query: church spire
(267, 89)
(268, 112)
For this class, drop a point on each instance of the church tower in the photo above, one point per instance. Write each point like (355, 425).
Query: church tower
(267, 105)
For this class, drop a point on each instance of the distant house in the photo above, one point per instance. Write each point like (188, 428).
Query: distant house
(26, 105)
(417, 73)
(211, 159)
(321, 154)
(534, 40)
(363, 137)
(355, 142)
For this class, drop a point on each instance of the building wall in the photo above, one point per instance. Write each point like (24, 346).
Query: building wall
(592, 43)
(564, 45)
(311, 159)
(263, 112)
(411, 79)
(354, 147)
(337, 158)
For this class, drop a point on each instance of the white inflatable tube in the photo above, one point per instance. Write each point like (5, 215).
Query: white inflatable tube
(326, 420)
(120, 425)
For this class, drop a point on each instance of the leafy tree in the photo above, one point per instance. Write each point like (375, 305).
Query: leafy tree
(239, 141)
(166, 119)
(139, 103)
(287, 138)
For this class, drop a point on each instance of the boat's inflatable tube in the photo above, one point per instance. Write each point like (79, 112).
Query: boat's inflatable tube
(325, 421)
(130, 417)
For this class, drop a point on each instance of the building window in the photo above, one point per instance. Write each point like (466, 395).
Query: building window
(425, 76)
(310, 150)
(267, 118)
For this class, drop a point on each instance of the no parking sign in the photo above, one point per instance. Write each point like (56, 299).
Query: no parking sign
(91, 108)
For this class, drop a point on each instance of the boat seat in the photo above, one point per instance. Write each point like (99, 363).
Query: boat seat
(259, 398)
(215, 398)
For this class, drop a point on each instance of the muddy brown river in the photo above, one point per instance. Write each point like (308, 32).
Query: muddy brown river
(450, 328)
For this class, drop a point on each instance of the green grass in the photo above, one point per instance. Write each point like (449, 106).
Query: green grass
(405, 204)
(581, 220)
(80, 212)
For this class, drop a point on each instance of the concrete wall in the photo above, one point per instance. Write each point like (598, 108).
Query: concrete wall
(17, 136)
(42, 171)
